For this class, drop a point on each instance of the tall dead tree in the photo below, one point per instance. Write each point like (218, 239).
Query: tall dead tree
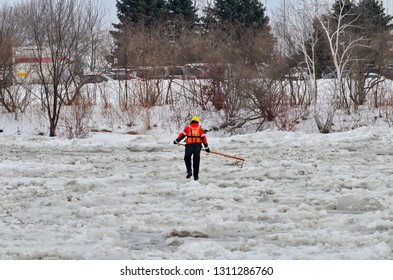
(298, 41)
(11, 98)
(58, 33)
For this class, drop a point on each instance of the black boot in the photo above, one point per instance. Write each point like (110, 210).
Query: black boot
(187, 160)
(196, 160)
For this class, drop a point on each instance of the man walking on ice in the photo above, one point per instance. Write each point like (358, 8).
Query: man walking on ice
(195, 137)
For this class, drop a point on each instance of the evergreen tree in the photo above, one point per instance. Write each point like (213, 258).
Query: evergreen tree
(343, 7)
(366, 20)
(240, 13)
(182, 10)
(372, 17)
(368, 15)
(140, 12)
(375, 26)
(135, 14)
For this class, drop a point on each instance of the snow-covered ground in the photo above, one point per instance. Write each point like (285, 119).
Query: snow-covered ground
(117, 196)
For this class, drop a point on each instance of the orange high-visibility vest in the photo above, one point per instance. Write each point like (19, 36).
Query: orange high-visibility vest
(193, 135)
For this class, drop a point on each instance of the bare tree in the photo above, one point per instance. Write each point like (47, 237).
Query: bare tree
(99, 40)
(12, 99)
(299, 38)
(94, 54)
(304, 29)
(341, 50)
(58, 32)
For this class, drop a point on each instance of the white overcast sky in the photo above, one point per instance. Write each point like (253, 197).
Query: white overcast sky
(271, 5)
(110, 5)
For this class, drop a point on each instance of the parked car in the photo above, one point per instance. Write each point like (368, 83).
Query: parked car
(93, 78)
(150, 72)
(175, 72)
(331, 73)
(196, 71)
(207, 70)
(372, 75)
(298, 73)
(159, 72)
(121, 74)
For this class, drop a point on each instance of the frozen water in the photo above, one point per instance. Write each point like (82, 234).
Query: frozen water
(114, 196)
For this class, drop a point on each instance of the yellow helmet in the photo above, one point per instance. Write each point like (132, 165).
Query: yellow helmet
(195, 119)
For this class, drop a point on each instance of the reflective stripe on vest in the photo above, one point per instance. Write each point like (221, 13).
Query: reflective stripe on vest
(193, 136)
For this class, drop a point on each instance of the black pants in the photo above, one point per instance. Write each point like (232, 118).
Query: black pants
(194, 151)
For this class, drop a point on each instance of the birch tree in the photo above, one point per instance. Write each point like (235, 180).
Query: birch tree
(334, 26)
(299, 39)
